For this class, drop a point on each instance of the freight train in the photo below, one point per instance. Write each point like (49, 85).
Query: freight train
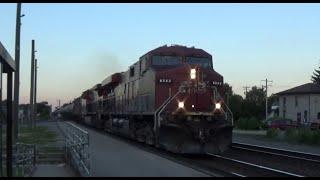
(170, 98)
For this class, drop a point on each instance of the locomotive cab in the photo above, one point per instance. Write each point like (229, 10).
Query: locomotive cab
(194, 118)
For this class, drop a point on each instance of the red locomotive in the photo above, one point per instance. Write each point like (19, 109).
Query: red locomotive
(170, 98)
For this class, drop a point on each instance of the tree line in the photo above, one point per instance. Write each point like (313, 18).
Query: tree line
(252, 105)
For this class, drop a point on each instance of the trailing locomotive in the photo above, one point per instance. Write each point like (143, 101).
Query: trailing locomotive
(170, 98)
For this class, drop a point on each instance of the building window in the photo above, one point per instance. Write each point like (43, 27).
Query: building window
(284, 102)
(296, 100)
(131, 71)
(299, 117)
(318, 115)
(284, 114)
(305, 116)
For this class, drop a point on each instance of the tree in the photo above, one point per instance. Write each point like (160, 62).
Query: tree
(254, 104)
(235, 102)
(227, 93)
(315, 78)
(43, 110)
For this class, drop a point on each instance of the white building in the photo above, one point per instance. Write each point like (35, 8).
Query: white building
(300, 104)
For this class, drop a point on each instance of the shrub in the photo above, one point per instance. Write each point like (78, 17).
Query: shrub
(241, 123)
(248, 124)
(254, 123)
(264, 125)
(316, 136)
(272, 133)
(303, 136)
(291, 134)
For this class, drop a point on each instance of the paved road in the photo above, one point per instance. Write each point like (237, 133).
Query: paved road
(113, 157)
(47, 170)
(52, 126)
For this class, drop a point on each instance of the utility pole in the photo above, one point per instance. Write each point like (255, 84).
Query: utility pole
(17, 75)
(246, 90)
(32, 84)
(266, 86)
(35, 92)
(9, 126)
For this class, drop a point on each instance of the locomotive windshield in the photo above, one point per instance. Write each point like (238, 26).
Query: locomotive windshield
(203, 62)
(166, 60)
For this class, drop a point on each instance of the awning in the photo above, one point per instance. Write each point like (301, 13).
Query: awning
(6, 60)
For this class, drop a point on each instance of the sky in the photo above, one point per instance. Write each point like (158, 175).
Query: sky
(79, 45)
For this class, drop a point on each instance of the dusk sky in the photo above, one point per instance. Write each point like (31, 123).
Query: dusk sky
(78, 45)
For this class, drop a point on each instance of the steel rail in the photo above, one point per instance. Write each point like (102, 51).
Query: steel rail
(279, 152)
(254, 167)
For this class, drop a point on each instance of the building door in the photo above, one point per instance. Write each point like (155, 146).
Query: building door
(299, 118)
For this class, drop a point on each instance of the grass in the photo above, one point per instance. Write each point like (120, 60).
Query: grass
(296, 136)
(16, 172)
(39, 135)
(272, 133)
(42, 137)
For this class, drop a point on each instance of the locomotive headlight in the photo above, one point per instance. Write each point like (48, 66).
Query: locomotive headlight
(193, 74)
(181, 104)
(218, 105)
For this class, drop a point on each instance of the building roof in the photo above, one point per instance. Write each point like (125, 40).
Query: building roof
(309, 88)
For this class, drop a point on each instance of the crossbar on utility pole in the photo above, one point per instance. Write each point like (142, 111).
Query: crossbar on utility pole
(266, 86)
(246, 90)
(32, 85)
(17, 75)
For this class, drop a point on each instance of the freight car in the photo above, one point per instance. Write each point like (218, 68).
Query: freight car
(170, 98)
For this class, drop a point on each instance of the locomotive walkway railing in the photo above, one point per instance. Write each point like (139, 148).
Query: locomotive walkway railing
(77, 149)
(159, 111)
(228, 113)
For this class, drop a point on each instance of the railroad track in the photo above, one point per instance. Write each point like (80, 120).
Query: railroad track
(279, 152)
(234, 162)
(246, 169)
(292, 162)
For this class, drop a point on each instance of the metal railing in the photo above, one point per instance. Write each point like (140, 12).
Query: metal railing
(77, 149)
(228, 113)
